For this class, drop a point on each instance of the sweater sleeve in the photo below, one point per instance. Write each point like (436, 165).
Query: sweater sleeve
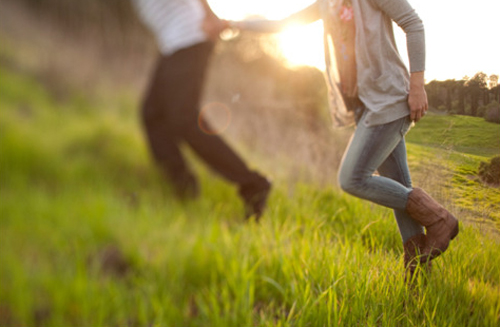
(401, 12)
(304, 16)
(260, 25)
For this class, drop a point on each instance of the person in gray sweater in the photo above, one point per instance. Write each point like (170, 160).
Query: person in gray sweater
(370, 85)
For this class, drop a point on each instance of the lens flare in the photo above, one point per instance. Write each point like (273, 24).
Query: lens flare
(218, 114)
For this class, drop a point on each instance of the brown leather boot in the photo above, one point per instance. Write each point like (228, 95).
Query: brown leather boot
(441, 226)
(413, 248)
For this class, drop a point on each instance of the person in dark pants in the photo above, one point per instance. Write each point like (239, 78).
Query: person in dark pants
(186, 31)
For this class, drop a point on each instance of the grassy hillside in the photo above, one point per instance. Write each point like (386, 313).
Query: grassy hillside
(445, 153)
(90, 236)
(465, 134)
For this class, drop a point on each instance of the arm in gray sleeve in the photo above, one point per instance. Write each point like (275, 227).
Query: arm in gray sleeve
(260, 25)
(401, 12)
(305, 16)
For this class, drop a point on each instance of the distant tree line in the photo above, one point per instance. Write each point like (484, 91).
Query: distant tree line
(478, 96)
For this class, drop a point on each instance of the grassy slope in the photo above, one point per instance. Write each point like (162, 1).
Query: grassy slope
(469, 135)
(447, 150)
(89, 237)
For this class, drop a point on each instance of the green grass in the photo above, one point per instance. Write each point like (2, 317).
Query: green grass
(448, 150)
(90, 236)
(465, 134)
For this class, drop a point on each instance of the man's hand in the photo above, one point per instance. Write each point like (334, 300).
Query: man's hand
(213, 26)
(417, 99)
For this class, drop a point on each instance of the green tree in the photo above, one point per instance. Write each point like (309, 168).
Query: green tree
(476, 87)
(433, 90)
(494, 88)
(451, 86)
(461, 97)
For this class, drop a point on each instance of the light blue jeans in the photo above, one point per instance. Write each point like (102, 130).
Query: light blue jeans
(380, 148)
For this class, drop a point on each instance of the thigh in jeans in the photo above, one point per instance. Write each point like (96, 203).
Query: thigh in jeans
(368, 149)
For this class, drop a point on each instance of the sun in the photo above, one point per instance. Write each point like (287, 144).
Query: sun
(297, 45)
(302, 45)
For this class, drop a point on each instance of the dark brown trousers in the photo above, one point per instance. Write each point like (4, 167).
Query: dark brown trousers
(170, 116)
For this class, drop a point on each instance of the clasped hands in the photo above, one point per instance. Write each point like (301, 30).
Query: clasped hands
(213, 26)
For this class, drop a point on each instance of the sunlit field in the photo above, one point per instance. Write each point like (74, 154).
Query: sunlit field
(91, 235)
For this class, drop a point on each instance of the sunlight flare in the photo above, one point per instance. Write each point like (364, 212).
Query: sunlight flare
(303, 45)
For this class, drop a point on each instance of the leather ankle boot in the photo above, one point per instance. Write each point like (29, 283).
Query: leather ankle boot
(441, 226)
(413, 248)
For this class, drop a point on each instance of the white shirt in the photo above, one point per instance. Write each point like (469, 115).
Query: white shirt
(176, 24)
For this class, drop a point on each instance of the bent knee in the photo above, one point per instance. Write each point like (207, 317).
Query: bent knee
(349, 183)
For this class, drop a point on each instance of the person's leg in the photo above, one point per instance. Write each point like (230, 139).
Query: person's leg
(184, 119)
(414, 239)
(164, 141)
(396, 168)
(253, 187)
(216, 153)
(383, 148)
(182, 79)
(368, 150)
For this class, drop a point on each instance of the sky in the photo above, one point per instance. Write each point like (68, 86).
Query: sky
(462, 36)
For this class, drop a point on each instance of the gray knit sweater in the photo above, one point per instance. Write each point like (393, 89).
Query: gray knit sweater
(383, 79)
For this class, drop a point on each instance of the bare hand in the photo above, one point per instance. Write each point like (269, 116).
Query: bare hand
(417, 99)
(213, 26)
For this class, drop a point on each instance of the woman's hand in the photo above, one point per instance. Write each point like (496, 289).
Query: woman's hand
(417, 99)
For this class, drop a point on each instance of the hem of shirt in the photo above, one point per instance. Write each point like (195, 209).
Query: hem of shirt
(384, 117)
(168, 50)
